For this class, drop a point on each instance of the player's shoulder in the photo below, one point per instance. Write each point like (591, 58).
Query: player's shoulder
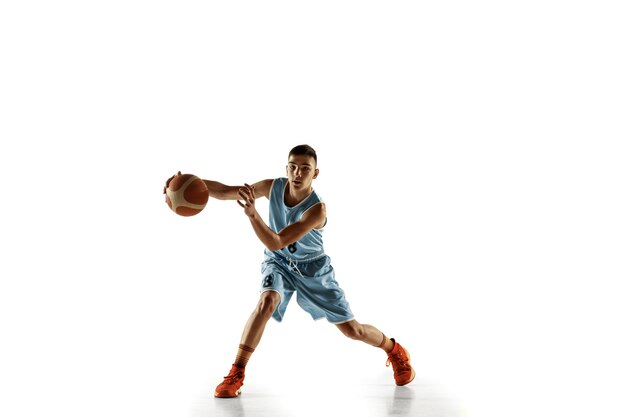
(317, 196)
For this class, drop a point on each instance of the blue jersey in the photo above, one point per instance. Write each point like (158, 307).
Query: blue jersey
(310, 246)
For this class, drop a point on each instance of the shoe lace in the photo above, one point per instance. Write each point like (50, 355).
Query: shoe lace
(398, 362)
(233, 377)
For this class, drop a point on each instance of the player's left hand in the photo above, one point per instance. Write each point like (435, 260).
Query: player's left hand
(247, 199)
(167, 183)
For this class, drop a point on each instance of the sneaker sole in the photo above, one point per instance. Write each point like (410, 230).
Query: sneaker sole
(224, 395)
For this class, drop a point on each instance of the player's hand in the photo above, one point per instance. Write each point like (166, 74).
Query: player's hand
(167, 183)
(247, 199)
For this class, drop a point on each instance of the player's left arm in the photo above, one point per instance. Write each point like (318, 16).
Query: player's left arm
(314, 217)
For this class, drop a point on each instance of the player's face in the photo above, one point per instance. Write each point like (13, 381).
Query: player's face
(301, 171)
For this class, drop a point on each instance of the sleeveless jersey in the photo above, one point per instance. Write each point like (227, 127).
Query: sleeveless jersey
(310, 246)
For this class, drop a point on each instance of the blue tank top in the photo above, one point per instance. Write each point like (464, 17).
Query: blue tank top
(310, 246)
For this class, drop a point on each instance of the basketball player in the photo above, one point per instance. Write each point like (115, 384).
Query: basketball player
(295, 262)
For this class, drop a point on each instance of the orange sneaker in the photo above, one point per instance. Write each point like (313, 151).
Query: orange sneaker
(399, 359)
(231, 386)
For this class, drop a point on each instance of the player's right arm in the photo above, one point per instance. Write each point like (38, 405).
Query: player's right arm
(231, 192)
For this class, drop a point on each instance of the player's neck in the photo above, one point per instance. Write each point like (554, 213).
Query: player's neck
(296, 196)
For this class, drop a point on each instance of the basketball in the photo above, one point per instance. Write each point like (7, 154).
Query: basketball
(186, 194)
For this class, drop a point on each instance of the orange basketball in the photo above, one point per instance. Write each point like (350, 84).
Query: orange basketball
(186, 194)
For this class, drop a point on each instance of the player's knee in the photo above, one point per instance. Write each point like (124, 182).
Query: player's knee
(268, 302)
(352, 329)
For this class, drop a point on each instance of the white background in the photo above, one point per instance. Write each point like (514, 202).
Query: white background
(469, 157)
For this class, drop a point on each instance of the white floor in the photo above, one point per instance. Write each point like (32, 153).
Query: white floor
(420, 398)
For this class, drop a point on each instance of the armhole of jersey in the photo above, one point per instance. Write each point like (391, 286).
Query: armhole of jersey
(272, 188)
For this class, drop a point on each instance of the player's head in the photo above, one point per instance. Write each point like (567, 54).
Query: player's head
(302, 166)
(304, 150)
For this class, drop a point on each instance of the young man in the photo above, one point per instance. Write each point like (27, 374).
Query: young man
(295, 262)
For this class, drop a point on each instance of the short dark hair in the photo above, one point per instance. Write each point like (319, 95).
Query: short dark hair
(304, 150)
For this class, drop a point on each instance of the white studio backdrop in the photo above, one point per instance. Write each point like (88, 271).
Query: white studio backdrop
(469, 157)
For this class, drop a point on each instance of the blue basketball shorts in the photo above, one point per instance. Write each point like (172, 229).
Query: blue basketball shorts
(314, 283)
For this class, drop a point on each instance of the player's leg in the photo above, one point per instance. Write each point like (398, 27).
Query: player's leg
(320, 295)
(250, 338)
(366, 333)
(397, 356)
(255, 326)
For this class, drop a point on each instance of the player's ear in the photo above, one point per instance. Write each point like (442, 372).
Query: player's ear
(317, 171)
